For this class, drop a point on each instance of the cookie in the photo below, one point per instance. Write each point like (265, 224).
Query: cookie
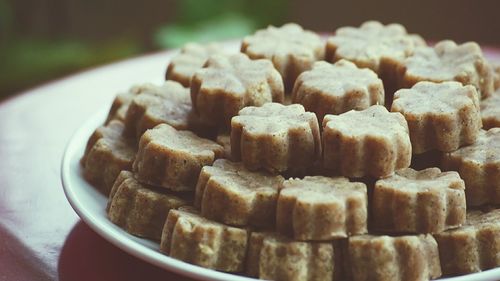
(275, 257)
(107, 153)
(167, 104)
(318, 208)
(120, 104)
(224, 140)
(228, 83)
(473, 247)
(139, 209)
(275, 137)
(173, 159)
(479, 166)
(496, 69)
(372, 142)
(291, 49)
(337, 88)
(386, 258)
(426, 201)
(189, 237)
(490, 111)
(229, 193)
(442, 116)
(191, 58)
(448, 61)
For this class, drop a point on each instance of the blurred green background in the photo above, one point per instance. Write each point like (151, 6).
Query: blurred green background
(41, 40)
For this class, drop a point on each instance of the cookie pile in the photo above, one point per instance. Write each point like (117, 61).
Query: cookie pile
(370, 156)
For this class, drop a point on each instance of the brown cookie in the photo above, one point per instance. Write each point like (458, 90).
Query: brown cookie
(442, 116)
(291, 49)
(119, 107)
(224, 140)
(490, 111)
(372, 142)
(426, 201)
(479, 165)
(337, 88)
(321, 208)
(173, 159)
(229, 193)
(228, 83)
(275, 137)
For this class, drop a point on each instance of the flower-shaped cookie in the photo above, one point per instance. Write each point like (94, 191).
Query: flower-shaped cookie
(479, 165)
(291, 49)
(276, 138)
(322, 208)
(426, 201)
(107, 153)
(386, 258)
(490, 111)
(169, 103)
(191, 58)
(473, 247)
(275, 257)
(173, 159)
(442, 116)
(227, 192)
(189, 237)
(448, 61)
(140, 209)
(337, 88)
(228, 83)
(372, 142)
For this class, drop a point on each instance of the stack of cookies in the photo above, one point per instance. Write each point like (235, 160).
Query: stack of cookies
(370, 156)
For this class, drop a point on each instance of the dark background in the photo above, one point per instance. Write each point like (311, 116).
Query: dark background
(41, 40)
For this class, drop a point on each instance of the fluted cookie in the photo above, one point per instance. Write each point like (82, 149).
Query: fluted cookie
(191, 58)
(275, 137)
(448, 61)
(173, 159)
(386, 258)
(229, 193)
(189, 237)
(426, 201)
(337, 88)
(228, 83)
(442, 116)
(140, 209)
(169, 104)
(479, 166)
(107, 153)
(322, 208)
(119, 107)
(291, 49)
(490, 111)
(372, 142)
(274, 257)
(473, 247)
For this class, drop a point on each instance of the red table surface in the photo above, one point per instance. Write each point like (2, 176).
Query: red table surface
(41, 237)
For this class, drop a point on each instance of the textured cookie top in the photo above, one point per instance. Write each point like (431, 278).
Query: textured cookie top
(435, 98)
(490, 111)
(290, 39)
(480, 218)
(428, 179)
(374, 121)
(486, 150)
(319, 188)
(191, 58)
(372, 41)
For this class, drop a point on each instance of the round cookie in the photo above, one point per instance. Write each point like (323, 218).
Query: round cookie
(372, 142)
(291, 49)
(227, 192)
(479, 166)
(473, 247)
(490, 111)
(189, 237)
(276, 138)
(426, 201)
(448, 61)
(442, 116)
(173, 159)
(337, 88)
(318, 208)
(139, 209)
(228, 83)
